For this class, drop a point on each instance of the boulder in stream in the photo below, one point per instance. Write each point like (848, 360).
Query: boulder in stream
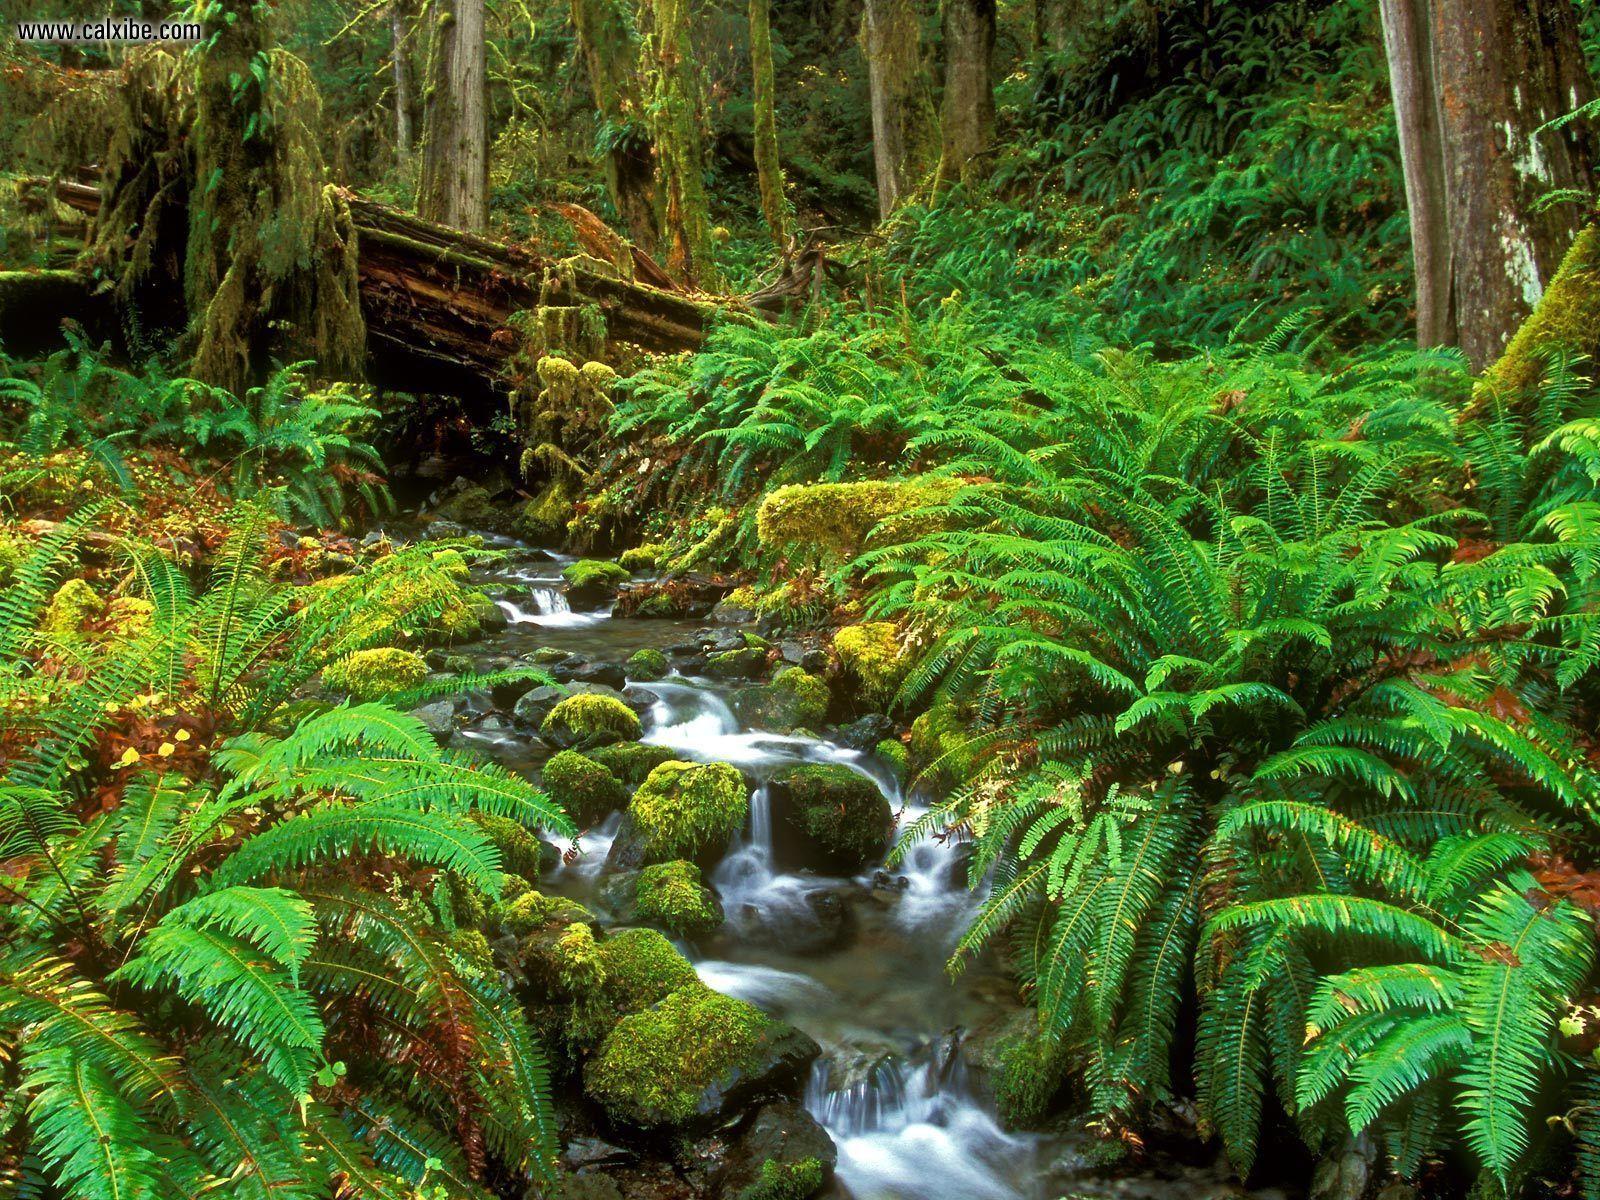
(794, 699)
(682, 810)
(781, 1152)
(535, 704)
(831, 819)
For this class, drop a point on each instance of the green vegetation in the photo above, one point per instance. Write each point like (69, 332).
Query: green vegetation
(686, 810)
(841, 815)
(647, 664)
(590, 719)
(583, 787)
(671, 895)
(375, 673)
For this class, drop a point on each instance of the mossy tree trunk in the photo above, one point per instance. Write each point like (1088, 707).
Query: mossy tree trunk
(903, 122)
(270, 260)
(966, 120)
(454, 185)
(611, 54)
(1501, 70)
(674, 106)
(400, 21)
(769, 174)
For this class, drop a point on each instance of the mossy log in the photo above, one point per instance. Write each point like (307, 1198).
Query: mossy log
(438, 302)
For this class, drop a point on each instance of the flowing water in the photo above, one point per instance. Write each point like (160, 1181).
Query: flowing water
(857, 963)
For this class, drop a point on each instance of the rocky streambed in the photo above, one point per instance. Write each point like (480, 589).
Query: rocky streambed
(869, 1077)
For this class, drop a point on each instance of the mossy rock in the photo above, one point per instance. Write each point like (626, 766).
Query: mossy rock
(873, 655)
(73, 606)
(647, 665)
(529, 910)
(520, 850)
(642, 558)
(1032, 1067)
(841, 821)
(936, 754)
(587, 790)
(689, 810)
(786, 1181)
(673, 896)
(837, 517)
(794, 699)
(587, 719)
(630, 762)
(371, 674)
(894, 753)
(641, 968)
(474, 508)
(692, 1060)
(744, 663)
(594, 578)
(543, 518)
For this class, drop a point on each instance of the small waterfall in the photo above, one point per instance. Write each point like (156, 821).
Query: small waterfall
(550, 608)
(914, 1131)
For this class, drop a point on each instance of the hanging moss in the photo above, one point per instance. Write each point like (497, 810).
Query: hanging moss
(675, 122)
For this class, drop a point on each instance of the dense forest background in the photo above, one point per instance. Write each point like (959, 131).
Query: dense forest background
(1130, 469)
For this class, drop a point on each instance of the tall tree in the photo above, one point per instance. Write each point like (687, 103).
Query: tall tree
(769, 174)
(611, 53)
(454, 184)
(1475, 84)
(966, 120)
(400, 38)
(679, 145)
(903, 137)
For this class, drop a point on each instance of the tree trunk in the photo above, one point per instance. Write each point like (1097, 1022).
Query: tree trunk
(1406, 38)
(1503, 69)
(611, 54)
(680, 147)
(966, 123)
(454, 187)
(902, 111)
(400, 33)
(769, 175)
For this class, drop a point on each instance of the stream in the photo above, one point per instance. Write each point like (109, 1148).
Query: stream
(857, 963)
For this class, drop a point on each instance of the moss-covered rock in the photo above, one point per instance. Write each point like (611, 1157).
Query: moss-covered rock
(371, 674)
(837, 517)
(630, 762)
(519, 848)
(643, 558)
(543, 518)
(594, 578)
(794, 699)
(1031, 1070)
(872, 654)
(744, 663)
(936, 753)
(529, 910)
(673, 896)
(689, 810)
(641, 968)
(588, 719)
(72, 607)
(691, 1060)
(587, 790)
(473, 507)
(841, 821)
(786, 1181)
(647, 664)
(894, 752)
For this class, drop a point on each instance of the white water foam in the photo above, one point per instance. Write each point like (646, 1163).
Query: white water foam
(550, 609)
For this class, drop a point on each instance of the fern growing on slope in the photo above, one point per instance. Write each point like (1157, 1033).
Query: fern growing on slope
(200, 992)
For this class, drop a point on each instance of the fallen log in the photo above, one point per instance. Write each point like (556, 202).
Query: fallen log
(442, 305)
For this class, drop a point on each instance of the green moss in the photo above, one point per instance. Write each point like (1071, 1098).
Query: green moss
(530, 910)
(589, 719)
(810, 695)
(744, 663)
(472, 507)
(685, 809)
(842, 814)
(938, 738)
(128, 617)
(794, 699)
(894, 753)
(630, 762)
(585, 788)
(786, 1181)
(1032, 1069)
(647, 664)
(543, 518)
(519, 848)
(1567, 317)
(672, 895)
(837, 517)
(872, 654)
(654, 1066)
(642, 558)
(474, 947)
(370, 674)
(588, 574)
(641, 967)
(13, 554)
(575, 957)
(73, 606)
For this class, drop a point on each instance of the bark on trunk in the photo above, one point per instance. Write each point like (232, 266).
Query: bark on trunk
(679, 145)
(902, 112)
(1406, 36)
(611, 55)
(454, 188)
(966, 124)
(769, 174)
(400, 34)
(1504, 68)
